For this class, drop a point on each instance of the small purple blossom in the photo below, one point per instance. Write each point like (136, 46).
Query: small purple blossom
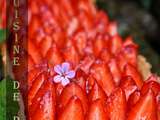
(64, 73)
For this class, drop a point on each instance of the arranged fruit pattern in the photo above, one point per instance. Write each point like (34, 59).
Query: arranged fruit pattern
(79, 67)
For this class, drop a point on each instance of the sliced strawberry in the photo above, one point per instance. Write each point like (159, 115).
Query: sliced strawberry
(98, 45)
(85, 17)
(115, 44)
(97, 93)
(65, 19)
(116, 105)
(120, 58)
(34, 52)
(101, 21)
(115, 70)
(50, 4)
(130, 53)
(133, 99)
(158, 112)
(34, 25)
(31, 63)
(3, 14)
(87, 6)
(90, 83)
(128, 85)
(89, 48)
(86, 63)
(36, 85)
(145, 108)
(129, 41)
(59, 38)
(155, 86)
(97, 111)
(59, 88)
(68, 6)
(45, 44)
(80, 79)
(70, 53)
(73, 110)
(54, 56)
(34, 72)
(158, 105)
(105, 55)
(152, 84)
(45, 109)
(130, 70)
(84, 37)
(71, 90)
(46, 86)
(129, 50)
(50, 25)
(80, 42)
(102, 74)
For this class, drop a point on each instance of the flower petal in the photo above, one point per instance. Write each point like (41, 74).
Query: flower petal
(57, 79)
(65, 81)
(70, 74)
(65, 67)
(58, 69)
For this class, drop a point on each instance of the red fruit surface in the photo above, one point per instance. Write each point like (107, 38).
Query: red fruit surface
(81, 79)
(116, 105)
(130, 70)
(3, 14)
(54, 56)
(36, 85)
(128, 85)
(97, 93)
(104, 78)
(155, 86)
(73, 90)
(145, 108)
(97, 111)
(115, 70)
(42, 106)
(73, 110)
(115, 44)
(106, 84)
(133, 99)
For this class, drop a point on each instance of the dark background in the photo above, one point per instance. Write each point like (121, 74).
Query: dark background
(141, 19)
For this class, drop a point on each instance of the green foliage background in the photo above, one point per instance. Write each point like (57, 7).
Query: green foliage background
(8, 107)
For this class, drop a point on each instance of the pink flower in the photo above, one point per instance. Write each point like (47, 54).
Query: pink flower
(64, 73)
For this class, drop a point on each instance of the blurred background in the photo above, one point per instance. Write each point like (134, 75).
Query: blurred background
(141, 19)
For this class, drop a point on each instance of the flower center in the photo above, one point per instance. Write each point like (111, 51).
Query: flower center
(63, 74)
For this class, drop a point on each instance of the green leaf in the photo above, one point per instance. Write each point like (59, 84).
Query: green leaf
(2, 35)
(8, 107)
(3, 99)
